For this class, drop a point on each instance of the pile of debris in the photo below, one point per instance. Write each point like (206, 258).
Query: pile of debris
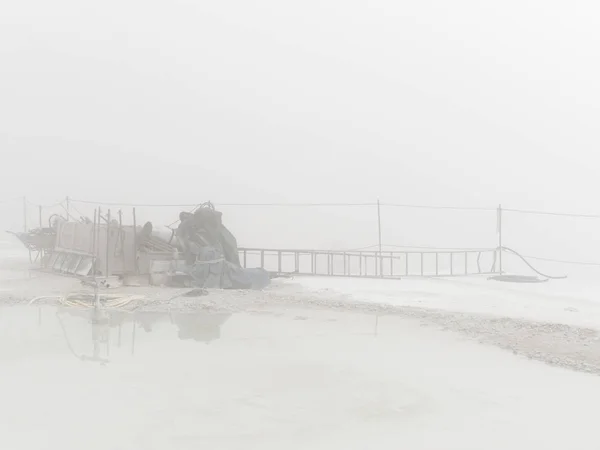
(210, 253)
(200, 253)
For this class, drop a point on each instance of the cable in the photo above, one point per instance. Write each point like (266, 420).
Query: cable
(456, 208)
(281, 204)
(454, 249)
(298, 204)
(530, 266)
(561, 261)
(550, 213)
(81, 216)
(88, 202)
(54, 205)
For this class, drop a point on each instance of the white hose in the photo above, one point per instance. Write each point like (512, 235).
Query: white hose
(87, 300)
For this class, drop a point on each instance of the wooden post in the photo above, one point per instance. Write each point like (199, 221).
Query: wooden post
(40, 212)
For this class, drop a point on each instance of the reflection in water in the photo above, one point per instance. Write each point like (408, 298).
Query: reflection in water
(198, 326)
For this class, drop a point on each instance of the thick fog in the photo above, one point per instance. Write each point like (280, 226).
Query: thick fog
(462, 103)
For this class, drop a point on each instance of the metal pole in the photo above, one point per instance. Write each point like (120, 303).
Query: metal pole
(40, 210)
(379, 230)
(135, 245)
(95, 256)
(94, 226)
(360, 263)
(68, 205)
(107, 274)
(25, 214)
(500, 237)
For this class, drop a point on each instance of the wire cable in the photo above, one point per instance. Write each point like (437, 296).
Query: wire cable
(455, 208)
(562, 261)
(551, 213)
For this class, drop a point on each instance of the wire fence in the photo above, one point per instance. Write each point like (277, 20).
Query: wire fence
(377, 226)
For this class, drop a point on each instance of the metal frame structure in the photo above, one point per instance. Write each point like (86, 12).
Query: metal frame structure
(373, 264)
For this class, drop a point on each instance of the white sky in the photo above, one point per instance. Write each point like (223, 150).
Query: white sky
(465, 102)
